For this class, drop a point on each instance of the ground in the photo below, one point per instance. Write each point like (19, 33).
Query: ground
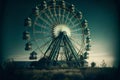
(62, 74)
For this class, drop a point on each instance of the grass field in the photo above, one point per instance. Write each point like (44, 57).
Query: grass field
(62, 74)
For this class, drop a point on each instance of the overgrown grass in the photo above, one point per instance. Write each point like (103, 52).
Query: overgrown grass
(62, 74)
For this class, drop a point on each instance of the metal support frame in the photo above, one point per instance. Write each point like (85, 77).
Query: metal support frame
(68, 48)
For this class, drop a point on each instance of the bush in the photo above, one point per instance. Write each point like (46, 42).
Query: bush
(93, 64)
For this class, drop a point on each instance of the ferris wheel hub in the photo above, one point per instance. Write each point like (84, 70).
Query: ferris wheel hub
(61, 28)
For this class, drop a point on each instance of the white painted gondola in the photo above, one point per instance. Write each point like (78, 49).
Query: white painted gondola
(81, 57)
(87, 31)
(88, 47)
(26, 35)
(44, 5)
(28, 22)
(84, 23)
(36, 11)
(86, 55)
(79, 15)
(54, 3)
(88, 39)
(28, 46)
(72, 8)
(33, 55)
(63, 4)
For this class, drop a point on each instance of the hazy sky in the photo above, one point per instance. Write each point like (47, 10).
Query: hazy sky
(102, 16)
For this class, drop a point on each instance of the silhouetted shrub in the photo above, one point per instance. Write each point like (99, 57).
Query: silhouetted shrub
(93, 64)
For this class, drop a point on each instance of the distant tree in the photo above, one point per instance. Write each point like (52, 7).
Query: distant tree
(9, 64)
(103, 64)
(93, 64)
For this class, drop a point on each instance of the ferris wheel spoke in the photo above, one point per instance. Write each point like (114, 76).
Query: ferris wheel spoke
(63, 19)
(59, 13)
(45, 44)
(76, 30)
(76, 35)
(52, 16)
(76, 46)
(55, 15)
(41, 26)
(45, 13)
(60, 16)
(75, 25)
(77, 21)
(58, 19)
(63, 15)
(46, 22)
(68, 21)
(81, 50)
(71, 19)
(82, 42)
(43, 38)
(49, 18)
(76, 41)
(67, 17)
(39, 47)
(38, 32)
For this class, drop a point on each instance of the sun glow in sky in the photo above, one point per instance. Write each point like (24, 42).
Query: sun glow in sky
(62, 28)
(101, 15)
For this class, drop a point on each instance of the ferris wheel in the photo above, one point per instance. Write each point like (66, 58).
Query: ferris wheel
(57, 31)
